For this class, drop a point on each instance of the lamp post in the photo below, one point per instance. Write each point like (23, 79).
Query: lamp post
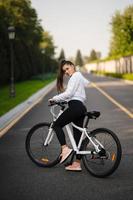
(11, 34)
(43, 52)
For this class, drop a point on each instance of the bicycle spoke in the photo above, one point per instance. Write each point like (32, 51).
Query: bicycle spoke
(102, 164)
(42, 155)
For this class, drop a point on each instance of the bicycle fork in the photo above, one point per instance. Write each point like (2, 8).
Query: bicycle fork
(49, 136)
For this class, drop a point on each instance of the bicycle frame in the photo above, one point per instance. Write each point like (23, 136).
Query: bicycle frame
(71, 138)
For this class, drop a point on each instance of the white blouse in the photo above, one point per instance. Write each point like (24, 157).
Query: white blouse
(75, 89)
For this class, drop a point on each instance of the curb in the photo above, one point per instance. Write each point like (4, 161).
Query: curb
(15, 114)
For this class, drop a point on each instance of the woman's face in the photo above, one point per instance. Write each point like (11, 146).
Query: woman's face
(68, 69)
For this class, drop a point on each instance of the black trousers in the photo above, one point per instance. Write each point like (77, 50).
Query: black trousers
(74, 113)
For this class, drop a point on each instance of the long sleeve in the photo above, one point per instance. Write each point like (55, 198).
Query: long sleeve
(70, 91)
(75, 89)
(86, 82)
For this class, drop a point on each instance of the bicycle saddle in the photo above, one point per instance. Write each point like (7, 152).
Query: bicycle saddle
(92, 114)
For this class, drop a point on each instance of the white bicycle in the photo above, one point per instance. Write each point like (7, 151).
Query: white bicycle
(100, 148)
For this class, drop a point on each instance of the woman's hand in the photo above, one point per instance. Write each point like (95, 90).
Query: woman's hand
(51, 101)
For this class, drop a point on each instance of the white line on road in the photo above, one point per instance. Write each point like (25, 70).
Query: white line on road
(113, 101)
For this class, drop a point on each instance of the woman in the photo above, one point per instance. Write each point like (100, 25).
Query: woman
(75, 95)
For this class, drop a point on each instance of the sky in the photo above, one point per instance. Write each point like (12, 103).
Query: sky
(79, 24)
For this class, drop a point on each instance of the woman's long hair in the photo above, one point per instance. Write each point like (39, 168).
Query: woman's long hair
(60, 75)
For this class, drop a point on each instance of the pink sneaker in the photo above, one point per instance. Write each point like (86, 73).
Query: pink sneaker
(66, 152)
(74, 167)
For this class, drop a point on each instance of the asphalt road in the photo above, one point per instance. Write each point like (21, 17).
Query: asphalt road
(20, 179)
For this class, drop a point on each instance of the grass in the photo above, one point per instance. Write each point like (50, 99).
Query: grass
(128, 76)
(23, 91)
(115, 75)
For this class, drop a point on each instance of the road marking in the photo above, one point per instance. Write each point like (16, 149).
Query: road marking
(113, 101)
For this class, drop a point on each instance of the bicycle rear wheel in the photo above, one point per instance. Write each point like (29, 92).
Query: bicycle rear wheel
(40, 154)
(104, 163)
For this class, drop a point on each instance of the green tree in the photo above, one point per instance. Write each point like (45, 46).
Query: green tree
(93, 55)
(62, 55)
(29, 36)
(79, 59)
(122, 33)
(48, 51)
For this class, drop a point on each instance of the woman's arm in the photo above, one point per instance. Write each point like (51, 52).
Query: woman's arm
(71, 89)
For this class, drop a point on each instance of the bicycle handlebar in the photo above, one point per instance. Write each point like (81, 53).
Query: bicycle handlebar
(61, 103)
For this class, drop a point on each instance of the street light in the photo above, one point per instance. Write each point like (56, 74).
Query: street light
(43, 51)
(43, 70)
(11, 34)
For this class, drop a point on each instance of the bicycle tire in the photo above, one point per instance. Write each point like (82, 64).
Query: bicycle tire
(95, 164)
(43, 156)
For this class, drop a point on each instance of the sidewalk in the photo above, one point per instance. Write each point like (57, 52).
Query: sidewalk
(15, 114)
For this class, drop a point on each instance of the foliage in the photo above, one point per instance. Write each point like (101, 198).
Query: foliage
(93, 57)
(79, 59)
(29, 59)
(62, 55)
(122, 33)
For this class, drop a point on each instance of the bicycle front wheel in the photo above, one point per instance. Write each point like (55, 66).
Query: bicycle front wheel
(41, 154)
(105, 162)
